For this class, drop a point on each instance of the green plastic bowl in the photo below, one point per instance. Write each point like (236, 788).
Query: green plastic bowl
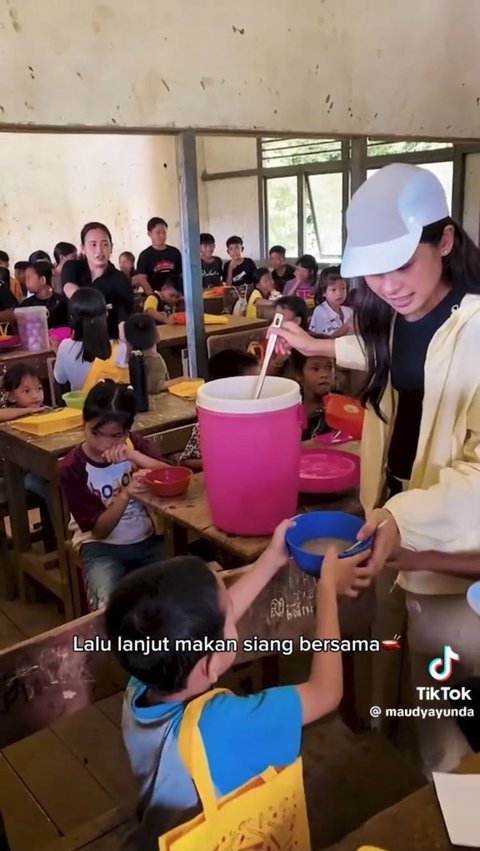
(75, 399)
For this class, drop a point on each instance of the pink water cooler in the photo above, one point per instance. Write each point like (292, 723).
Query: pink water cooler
(250, 452)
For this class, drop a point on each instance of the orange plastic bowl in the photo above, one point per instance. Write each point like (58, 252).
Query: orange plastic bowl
(180, 318)
(168, 481)
(344, 414)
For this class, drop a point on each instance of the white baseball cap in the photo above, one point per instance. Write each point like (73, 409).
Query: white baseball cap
(386, 217)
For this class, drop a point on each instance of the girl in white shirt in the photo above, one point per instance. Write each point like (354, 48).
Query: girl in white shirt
(331, 318)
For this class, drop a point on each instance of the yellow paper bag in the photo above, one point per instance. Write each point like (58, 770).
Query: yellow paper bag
(268, 812)
(213, 319)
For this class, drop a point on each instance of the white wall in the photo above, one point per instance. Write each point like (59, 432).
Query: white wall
(323, 66)
(232, 204)
(52, 184)
(471, 203)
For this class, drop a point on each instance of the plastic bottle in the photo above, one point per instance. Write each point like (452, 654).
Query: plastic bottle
(138, 380)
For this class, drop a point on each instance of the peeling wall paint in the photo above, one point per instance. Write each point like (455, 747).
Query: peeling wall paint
(335, 66)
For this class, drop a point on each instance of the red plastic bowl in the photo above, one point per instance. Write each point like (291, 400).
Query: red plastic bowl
(343, 413)
(168, 481)
(180, 318)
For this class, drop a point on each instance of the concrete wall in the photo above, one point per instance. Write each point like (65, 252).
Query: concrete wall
(53, 184)
(323, 66)
(231, 205)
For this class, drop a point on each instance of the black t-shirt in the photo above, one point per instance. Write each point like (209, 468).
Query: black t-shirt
(113, 284)
(211, 273)
(57, 308)
(7, 299)
(409, 351)
(243, 274)
(281, 280)
(160, 264)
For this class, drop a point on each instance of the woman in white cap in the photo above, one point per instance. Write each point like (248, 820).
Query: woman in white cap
(417, 317)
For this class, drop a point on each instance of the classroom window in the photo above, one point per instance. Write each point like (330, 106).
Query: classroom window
(323, 216)
(277, 153)
(282, 212)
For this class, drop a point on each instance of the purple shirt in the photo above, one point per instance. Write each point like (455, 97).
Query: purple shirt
(305, 291)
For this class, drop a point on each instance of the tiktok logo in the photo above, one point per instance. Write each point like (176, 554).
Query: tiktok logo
(441, 668)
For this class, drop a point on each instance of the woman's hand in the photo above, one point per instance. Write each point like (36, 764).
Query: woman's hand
(291, 336)
(386, 539)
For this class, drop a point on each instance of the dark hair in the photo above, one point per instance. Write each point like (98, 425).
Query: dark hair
(152, 223)
(4, 258)
(173, 283)
(230, 363)
(94, 226)
(207, 239)
(297, 305)
(259, 273)
(234, 240)
(373, 317)
(141, 331)
(63, 249)
(109, 402)
(4, 276)
(21, 265)
(278, 249)
(298, 360)
(43, 269)
(128, 254)
(177, 599)
(307, 261)
(328, 275)
(14, 376)
(87, 314)
(39, 255)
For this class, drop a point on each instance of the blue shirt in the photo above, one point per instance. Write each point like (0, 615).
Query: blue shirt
(242, 736)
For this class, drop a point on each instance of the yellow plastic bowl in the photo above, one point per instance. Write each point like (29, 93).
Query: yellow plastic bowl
(75, 399)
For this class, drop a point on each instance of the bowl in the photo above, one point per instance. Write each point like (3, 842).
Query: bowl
(168, 481)
(343, 413)
(323, 524)
(75, 399)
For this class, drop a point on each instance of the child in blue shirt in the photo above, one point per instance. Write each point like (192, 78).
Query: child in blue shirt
(179, 599)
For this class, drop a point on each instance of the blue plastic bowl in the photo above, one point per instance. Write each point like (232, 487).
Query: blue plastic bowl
(323, 524)
(473, 597)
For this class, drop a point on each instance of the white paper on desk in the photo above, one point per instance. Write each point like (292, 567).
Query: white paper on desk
(459, 799)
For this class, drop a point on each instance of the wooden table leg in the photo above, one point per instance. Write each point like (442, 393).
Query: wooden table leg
(58, 523)
(176, 538)
(18, 512)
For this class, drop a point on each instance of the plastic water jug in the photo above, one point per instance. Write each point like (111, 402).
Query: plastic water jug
(250, 452)
(32, 328)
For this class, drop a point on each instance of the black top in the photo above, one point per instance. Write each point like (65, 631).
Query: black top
(281, 280)
(409, 351)
(57, 308)
(160, 264)
(7, 299)
(113, 284)
(211, 273)
(243, 274)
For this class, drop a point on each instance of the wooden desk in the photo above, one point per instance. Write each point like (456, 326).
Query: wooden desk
(191, 513)
(414, 824)
(36, 359)
(22, 452)
(171, 339)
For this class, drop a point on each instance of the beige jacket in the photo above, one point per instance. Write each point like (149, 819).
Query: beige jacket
(440, 509)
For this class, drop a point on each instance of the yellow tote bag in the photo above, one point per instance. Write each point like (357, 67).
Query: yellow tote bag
(268, 813)
(102, 370)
